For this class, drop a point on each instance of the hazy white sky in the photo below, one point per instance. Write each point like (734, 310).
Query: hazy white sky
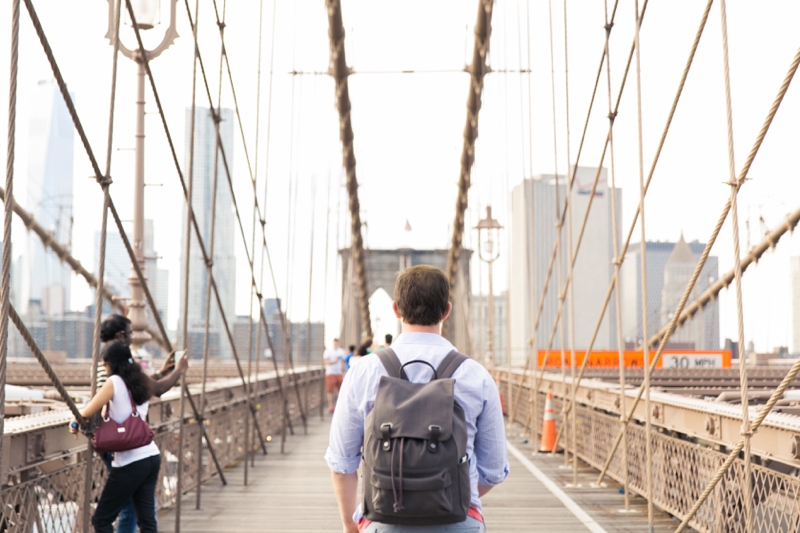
(408, 128)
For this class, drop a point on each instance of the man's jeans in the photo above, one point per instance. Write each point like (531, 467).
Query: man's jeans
(470, 525)
(126, 522)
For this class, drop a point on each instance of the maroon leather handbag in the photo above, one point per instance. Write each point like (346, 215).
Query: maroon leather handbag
(111, 436)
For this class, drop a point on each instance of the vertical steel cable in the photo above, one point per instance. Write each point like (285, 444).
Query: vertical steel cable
(263, 221)
(574, 421)
(325, 290)
(746, 485)
(8, 202)
(643, 264)
(98, 311)
(187, 256)
(532, 352)
(617, 267)
(310, 286)
(216, 116)
(250, 434)
(106, 200)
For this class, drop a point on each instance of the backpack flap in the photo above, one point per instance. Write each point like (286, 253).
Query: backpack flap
(413, 410)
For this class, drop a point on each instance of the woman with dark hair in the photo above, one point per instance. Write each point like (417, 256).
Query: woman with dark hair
(118, 328)
(134, 473)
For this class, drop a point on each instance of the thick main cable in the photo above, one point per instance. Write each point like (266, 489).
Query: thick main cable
(340, 72)
(477, 70)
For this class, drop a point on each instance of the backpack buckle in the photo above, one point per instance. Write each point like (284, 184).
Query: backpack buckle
(435, 432)
(386, 429)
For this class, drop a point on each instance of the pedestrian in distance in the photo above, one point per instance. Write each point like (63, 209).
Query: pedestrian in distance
(387, 340)
(118, 328)
(334, 360)
(425, 420)
(134, 473)
(351, 350)
(361, 352)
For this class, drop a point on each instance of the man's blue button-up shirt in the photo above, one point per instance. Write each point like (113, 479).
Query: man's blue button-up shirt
(475, 391)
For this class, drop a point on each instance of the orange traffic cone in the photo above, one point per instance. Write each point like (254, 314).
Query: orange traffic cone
(548, 426)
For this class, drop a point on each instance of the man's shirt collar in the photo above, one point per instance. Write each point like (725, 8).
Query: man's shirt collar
(422, 338)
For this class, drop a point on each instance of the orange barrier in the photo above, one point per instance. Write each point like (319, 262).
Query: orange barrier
(684, 359)
(548, 426)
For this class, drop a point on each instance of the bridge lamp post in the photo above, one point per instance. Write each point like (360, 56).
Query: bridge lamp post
(489, 229)
(147, 14)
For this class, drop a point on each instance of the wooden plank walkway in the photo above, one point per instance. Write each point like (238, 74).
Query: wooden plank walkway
(292, 493)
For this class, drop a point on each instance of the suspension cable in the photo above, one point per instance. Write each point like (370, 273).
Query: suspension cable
(560, 222)
(643, 270)
(620, 257)
(340, 72)
(477, 70)
(573, 251)
(554, 252)
(681, 314)
(617, 268)
(8, 201)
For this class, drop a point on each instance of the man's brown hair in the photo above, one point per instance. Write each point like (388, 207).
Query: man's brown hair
(421, 293)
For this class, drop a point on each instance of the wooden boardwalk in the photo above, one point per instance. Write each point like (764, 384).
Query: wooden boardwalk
(292, 493)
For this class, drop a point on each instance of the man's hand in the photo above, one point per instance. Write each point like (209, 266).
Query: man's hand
(183, 364)
(352, 527)
(168, 365)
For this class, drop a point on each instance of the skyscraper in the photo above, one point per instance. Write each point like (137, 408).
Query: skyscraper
(203, 193)
(49, 198)
(533, 236)
(669, 267)
(118, 263)
(157, 278)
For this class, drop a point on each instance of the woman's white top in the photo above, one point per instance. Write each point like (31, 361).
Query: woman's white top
(119, 409)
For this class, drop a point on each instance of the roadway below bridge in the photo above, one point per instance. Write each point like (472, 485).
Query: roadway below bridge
(292, 493)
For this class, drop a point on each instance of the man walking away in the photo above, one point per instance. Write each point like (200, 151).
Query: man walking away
(473, 419)
(388, 338)
(334, 360)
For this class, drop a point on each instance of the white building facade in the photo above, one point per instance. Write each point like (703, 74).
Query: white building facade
(533, 236)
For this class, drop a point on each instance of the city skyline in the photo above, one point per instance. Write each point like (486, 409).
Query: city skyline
(694, 158)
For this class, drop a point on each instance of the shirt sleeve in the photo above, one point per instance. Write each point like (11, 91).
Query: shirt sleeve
(491, 454)
(347, 429)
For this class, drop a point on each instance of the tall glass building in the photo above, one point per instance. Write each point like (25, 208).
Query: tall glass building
(224, 268)
(45, 281)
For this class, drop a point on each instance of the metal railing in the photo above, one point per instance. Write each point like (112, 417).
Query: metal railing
(44, 469)
(683, 461)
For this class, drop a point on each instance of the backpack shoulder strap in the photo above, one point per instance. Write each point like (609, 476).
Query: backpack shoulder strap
(449, 364)
(390, 361)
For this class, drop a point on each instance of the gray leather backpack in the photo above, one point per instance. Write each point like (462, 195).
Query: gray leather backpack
(416, 468)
